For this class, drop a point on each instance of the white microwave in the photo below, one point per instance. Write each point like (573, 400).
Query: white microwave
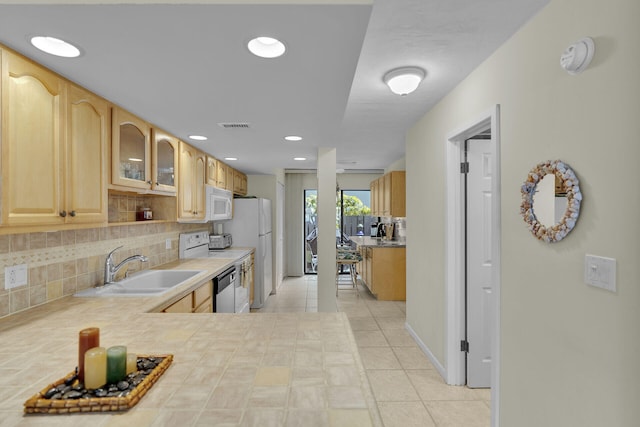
(219, 204)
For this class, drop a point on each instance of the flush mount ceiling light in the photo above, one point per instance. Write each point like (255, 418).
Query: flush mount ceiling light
(266, 47)
(293, 138)
(405, 80)
(198, 137)
(54, 46)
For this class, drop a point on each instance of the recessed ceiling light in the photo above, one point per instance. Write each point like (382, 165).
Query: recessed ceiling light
(293, 138)
(198, 137)
(54, 46)
(300, 159)
(231, 159)
(266, 47)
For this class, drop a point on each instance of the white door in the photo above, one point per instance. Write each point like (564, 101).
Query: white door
(479, 263)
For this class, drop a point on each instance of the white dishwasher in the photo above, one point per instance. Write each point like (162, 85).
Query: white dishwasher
(224, 285)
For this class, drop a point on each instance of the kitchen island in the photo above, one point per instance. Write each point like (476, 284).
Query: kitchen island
(297, 369)
(383, 267)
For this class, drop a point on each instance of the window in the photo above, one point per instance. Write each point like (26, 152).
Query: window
(353, 218)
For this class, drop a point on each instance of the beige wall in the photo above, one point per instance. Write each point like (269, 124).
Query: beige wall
(569, 351)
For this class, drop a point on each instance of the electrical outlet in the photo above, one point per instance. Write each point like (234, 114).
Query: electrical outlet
(15, 276)
(167, 244)
(600, 272)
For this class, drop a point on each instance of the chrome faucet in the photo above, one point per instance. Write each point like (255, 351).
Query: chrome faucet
(110, 270)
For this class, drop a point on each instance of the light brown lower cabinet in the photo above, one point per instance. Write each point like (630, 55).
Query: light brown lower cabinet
(198, 301)
(383, 271)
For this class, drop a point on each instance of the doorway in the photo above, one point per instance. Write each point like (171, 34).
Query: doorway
(458, 342)
(353, 218)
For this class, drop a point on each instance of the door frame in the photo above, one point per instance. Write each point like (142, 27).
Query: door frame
(455, 253)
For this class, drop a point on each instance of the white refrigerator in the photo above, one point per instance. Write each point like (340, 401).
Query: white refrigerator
(251, 227)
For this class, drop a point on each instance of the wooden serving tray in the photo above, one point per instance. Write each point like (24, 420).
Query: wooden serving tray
(39, 405)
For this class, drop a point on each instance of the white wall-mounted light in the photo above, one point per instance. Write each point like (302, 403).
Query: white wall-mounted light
(266, 47)
(293, 138)
(231, 159)
(577, 57)
(405, 80)
(54, 46)
(198, 137)
(300, 159)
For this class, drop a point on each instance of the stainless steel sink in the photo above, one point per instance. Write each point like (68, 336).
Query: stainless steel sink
(143, 284)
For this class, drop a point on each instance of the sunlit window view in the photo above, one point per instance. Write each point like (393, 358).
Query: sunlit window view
(353, 218)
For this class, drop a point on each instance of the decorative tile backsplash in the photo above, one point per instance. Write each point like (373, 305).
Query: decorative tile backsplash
(123, 208)
(62, 262)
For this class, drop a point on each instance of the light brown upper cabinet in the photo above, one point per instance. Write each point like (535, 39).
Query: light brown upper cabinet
(239, 183)
(388, 195)
(164, 164)
(130, 151)
(87, 145)
(221, 174)
(228, 184)
(375, 197)
(212, 171)
(45, 133)
(191, 178)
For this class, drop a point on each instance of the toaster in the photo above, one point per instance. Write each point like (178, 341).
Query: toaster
(220, 241)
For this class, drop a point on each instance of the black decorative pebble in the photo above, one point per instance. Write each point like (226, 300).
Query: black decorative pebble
(50, 393)
(71, 379)
(74, 389)
(73, 395)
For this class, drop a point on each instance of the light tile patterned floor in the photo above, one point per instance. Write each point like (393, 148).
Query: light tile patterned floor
(408, 390)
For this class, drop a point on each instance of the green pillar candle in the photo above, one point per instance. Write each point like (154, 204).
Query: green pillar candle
(116, 363)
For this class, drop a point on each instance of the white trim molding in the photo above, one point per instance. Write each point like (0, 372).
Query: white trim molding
(455, 373)
(434, 361)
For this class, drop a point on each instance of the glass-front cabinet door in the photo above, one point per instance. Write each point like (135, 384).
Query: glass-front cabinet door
(165, 159)
(131, 151)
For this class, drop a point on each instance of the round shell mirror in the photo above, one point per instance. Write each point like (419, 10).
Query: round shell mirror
(551, 200)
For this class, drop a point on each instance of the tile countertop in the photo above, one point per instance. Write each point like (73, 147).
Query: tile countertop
(237, 369)
(375, 242)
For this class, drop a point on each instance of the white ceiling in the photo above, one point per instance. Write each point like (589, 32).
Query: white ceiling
(185, 68)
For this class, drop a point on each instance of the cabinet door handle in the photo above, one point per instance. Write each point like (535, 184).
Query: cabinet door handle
(157, 183)
(149, 182)
(63, 214)
(72, 213)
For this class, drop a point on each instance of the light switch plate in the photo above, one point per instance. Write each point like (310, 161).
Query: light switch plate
(15, 276)
(167, 244)
(600, 272)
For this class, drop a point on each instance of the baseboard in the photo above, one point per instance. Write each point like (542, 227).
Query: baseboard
(436, 363)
